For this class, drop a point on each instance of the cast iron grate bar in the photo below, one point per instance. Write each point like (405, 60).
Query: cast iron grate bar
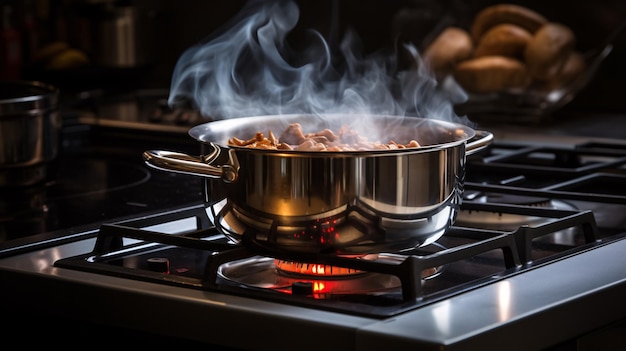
(546, 193)
(197, 211)
(408, 271)
(524, 235)
(514, 246)
(110, 238)
(604, 147)
(564, 161)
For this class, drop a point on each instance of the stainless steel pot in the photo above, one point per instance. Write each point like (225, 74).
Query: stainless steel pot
(29, 131)
(350, 202)
(125, 37)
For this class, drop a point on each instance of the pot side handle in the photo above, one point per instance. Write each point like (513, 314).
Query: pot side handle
(193, 165)
(484, 139)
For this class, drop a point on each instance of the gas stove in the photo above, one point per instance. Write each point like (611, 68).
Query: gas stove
(534, 261)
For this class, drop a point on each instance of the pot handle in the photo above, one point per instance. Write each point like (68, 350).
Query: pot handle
(194, 165)
(484, 139)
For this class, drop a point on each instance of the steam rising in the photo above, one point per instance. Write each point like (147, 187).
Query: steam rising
(249, 70)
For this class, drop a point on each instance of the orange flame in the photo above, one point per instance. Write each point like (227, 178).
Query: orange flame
(313, 269)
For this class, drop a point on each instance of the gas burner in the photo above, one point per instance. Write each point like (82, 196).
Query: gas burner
(507, 221)
(319, 281)
(300, 269)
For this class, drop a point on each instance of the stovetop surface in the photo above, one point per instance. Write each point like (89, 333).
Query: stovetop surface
(524, 205)
(98, 175)
(581, 177)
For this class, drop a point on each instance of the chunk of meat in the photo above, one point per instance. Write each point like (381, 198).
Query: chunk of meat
(292, 135)
(326, 134)
(310, 145)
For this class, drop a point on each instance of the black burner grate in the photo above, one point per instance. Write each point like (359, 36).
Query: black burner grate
(471, 257)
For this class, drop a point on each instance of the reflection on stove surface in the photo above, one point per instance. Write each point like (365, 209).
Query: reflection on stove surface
(88, 183)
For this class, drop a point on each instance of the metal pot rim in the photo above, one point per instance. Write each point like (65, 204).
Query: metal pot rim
(27, 97)
(204, 132)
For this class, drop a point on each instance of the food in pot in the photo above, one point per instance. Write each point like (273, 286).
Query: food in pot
(506, 41)
(293, 138)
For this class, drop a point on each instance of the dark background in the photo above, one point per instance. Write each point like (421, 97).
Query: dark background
(168, 27)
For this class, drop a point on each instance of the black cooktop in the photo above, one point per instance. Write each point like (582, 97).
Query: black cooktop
(99, 175)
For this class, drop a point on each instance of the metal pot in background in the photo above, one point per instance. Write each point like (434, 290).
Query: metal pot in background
(30, 125)
(124, 37)
(114, 35)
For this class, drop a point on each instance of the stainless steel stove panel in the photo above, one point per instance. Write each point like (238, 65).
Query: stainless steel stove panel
(575, 296)
(513, 314)
(211, 317)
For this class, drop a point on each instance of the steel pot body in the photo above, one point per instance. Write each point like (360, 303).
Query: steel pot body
(29, 131)
(351, 202)
(125, 37)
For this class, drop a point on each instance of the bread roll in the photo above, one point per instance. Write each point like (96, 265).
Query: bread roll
(451, 46)
(548, 50)
(488, 74)
(574, 66)
(504, 40)
(506, 13)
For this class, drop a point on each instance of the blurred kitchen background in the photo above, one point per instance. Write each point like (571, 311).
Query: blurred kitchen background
(117, 46)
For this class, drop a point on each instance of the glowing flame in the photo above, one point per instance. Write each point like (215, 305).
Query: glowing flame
(318, 287)
(249, 69)
(313, 269)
